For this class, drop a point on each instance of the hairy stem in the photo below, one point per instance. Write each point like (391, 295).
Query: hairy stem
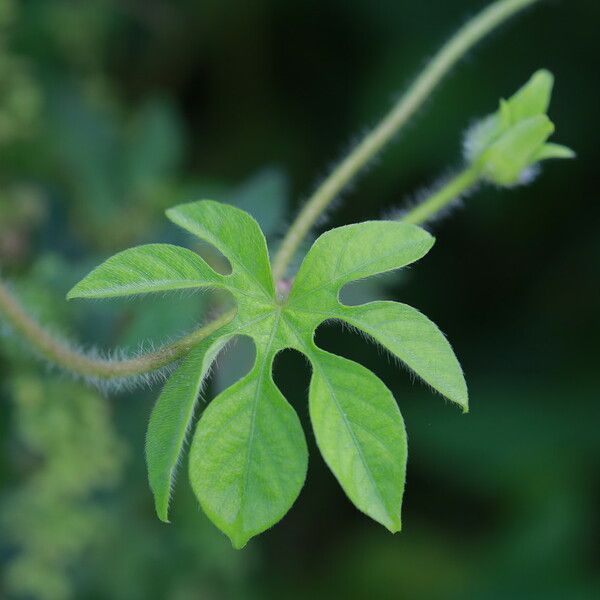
(439, 200)
(61, 354)
(466, 37)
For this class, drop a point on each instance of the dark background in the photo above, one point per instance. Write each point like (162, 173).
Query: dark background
(113, 110)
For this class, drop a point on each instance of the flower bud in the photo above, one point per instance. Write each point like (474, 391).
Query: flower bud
(507, 144)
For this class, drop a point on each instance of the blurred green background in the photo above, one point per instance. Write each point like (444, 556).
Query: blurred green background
(113, 110)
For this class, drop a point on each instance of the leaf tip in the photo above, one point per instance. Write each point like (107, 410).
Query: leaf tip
(394, 527)
(73, 293)
(463, 403)
(460, 396)
(162, 510)
(238, 541)
(392, 522)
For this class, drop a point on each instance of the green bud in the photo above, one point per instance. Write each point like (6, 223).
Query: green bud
(507, 143)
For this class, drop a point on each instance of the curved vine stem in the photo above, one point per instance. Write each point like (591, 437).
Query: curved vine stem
(63, 355)
(464, 39)
(60, 353)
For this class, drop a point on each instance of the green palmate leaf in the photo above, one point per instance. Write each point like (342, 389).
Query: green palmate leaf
(361, 435)
(171, 420)
(416, 341)
(248, 456)
(146, 269)
(248, 459)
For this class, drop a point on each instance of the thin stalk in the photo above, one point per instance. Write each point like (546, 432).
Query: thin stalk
(455, 188)
(466, 37)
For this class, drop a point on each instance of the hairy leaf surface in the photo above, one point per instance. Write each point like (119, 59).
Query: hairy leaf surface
(147, 269)
(354, 252)
(416, 341)
(171, 420)
(248, 459)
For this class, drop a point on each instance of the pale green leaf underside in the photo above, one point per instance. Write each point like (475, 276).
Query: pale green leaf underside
(171, 419)
(235, 234)
(361, 435)
(147, 269)
(248, 457)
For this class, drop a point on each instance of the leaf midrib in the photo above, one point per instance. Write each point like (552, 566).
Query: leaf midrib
(171, 283)
(355, 441)
(265, 360)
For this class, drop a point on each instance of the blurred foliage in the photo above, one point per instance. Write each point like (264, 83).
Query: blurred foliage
(63, 445)
(112, 110)
(19, 95)
(67, 452)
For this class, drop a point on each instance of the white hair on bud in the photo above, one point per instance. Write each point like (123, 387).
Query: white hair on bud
(475, 136)
(529, 174)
